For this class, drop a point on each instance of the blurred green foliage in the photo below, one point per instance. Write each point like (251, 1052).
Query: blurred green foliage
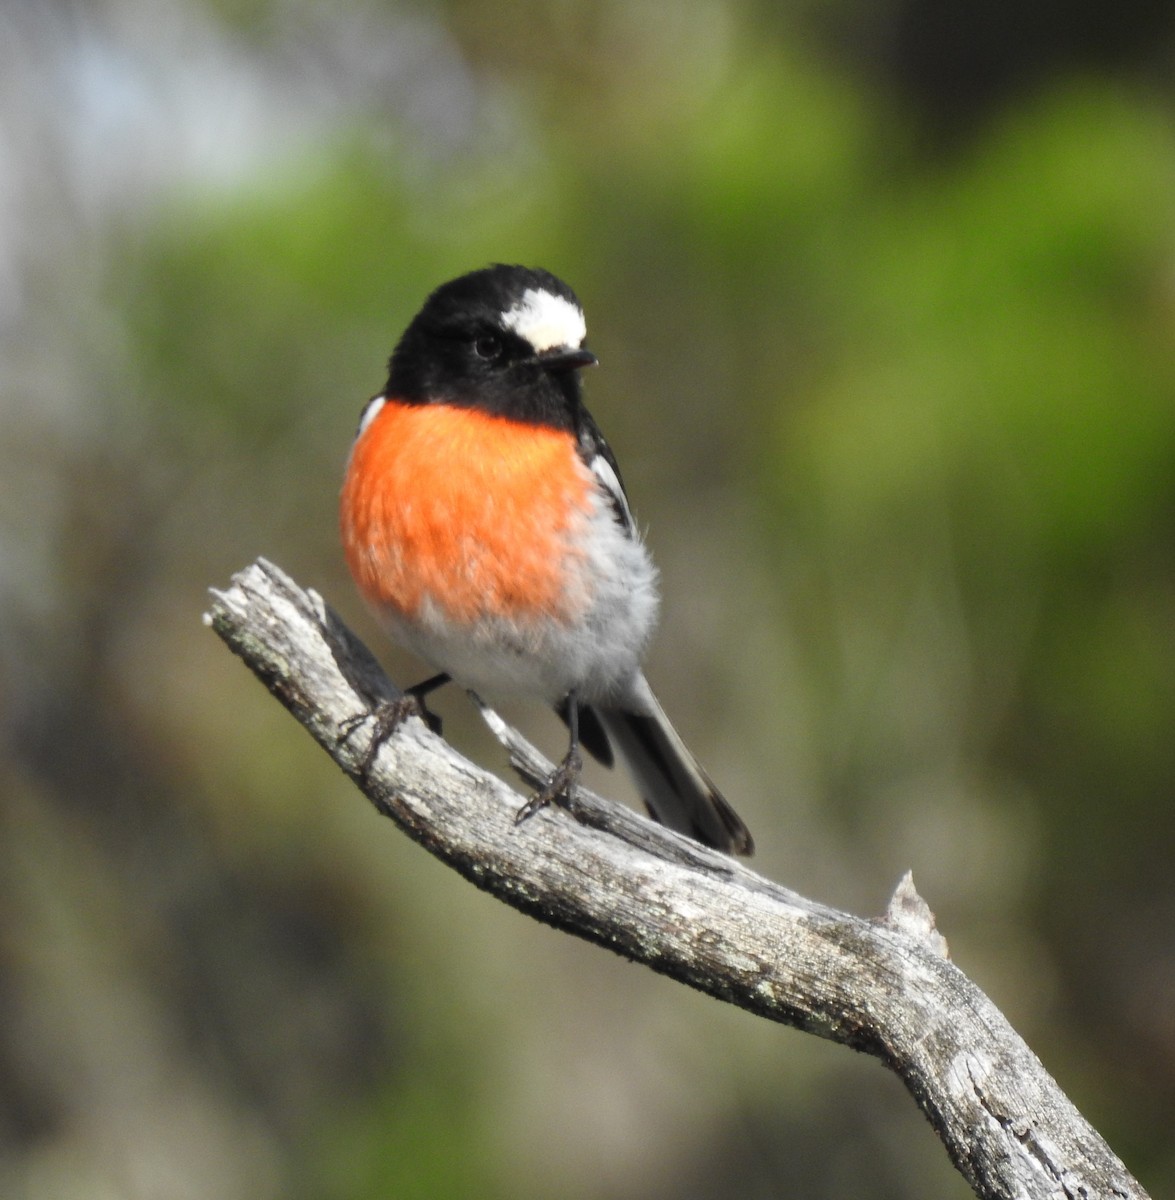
(895, 399)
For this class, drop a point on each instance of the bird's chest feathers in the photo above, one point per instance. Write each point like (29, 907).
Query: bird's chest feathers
(475, 514)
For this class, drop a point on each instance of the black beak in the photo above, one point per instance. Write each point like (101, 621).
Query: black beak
(564, 358)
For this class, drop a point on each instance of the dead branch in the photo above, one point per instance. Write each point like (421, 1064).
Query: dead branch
(883, 986)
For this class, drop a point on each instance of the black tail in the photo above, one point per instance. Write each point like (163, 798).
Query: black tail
(675, 789)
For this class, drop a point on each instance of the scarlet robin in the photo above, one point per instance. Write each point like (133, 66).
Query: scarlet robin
(484, 520)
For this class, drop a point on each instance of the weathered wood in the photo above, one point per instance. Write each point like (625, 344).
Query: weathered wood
(883, 986)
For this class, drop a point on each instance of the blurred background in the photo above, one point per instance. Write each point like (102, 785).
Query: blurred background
(884, 297)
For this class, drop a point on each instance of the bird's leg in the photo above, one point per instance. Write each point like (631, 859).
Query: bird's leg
(389, 715)
(560, 787)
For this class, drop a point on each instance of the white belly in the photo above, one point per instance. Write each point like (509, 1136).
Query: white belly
(597, 655)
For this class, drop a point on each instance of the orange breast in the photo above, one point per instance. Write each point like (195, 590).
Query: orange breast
(471, 512)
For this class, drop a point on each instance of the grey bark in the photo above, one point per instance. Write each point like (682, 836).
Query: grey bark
(883, 986)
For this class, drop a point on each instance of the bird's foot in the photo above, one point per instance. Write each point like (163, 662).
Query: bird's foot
(387, 717)
(559, 789)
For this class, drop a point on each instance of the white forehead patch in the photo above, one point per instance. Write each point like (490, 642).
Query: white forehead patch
(546, 320)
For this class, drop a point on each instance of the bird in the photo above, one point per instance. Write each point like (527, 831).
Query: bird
(485, 523)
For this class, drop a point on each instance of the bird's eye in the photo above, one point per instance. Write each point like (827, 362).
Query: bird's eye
(488, 347)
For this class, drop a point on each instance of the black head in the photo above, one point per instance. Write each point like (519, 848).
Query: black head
(505, 339)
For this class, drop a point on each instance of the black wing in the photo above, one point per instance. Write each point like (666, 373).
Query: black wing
(598, 456)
